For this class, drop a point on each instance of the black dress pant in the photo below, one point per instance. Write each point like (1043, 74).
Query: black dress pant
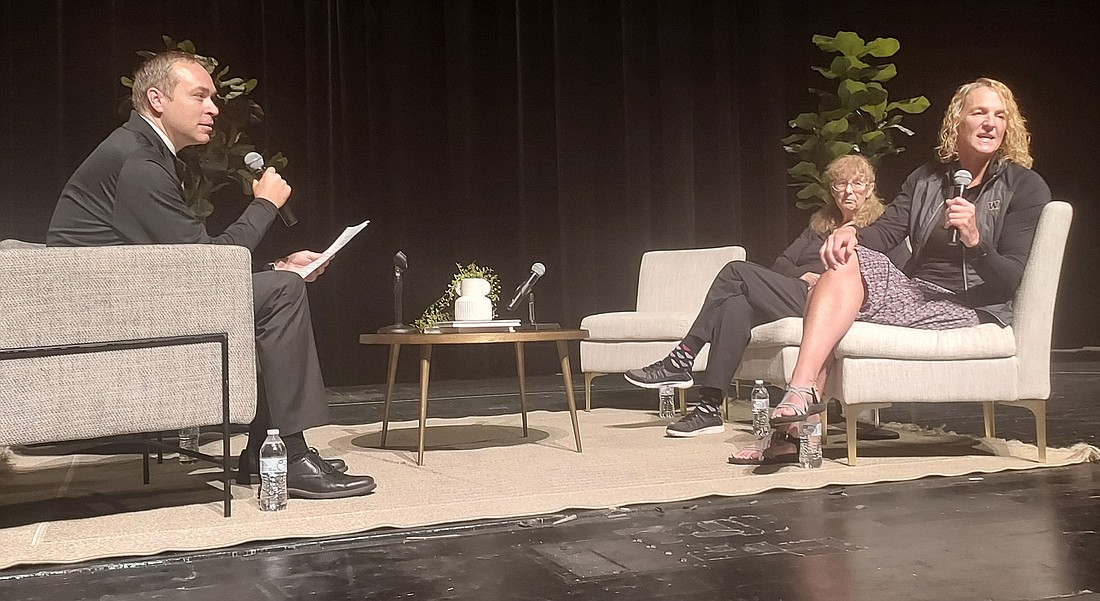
(291, 389)
(743, 295)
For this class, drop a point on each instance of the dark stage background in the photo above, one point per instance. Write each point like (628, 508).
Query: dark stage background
(578, 133)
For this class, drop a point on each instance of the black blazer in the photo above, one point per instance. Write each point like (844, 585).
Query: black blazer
(127, 192)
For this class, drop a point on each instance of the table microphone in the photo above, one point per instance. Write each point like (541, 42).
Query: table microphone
(255, 163)
(961, 180)
(537, 271)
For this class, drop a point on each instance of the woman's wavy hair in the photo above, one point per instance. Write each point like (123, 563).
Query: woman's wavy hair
(848, 167)
(1017, 141)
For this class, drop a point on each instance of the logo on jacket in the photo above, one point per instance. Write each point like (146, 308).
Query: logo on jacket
(994, 204)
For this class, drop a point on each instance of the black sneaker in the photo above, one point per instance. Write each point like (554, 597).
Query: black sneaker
(657, 375)
(695, 423)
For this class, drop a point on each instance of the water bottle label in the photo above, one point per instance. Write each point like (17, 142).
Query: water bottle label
(813, 430)
(760, 404)
(273, 465)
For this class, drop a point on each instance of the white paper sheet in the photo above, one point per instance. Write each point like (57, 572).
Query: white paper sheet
(345, 237)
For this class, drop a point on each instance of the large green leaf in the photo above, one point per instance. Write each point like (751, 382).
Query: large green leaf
(806, 121)
(838, 148)
(912, 106)
(884, 72)
(845, 42)
(811, 190)
(836, 126)
(882, 47)
(804, 169)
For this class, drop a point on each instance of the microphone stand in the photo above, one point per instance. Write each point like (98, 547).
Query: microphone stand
(531, 323)
(398, 327)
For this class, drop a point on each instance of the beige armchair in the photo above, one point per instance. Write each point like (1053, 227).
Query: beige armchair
(879, 365)
(123, 340)
(671, 287)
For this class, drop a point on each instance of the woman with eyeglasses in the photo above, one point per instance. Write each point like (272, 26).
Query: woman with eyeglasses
(968, 249)
(744, 295)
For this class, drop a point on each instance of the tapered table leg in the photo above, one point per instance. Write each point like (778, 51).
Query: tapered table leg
(425, 370)
(395, 352)
(521, 368)
(567, 375)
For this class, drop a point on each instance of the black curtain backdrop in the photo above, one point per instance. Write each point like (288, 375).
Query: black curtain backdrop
(578, 133)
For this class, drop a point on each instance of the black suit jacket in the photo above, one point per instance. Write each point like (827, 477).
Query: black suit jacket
(127, 192)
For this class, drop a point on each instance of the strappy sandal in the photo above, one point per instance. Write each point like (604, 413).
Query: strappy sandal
(811, 405)
(762, 458)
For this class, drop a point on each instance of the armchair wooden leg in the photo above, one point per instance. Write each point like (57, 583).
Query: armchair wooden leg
(1038, 408)
(588, 377)
(683, 401)
(989, 416)
(850, 427)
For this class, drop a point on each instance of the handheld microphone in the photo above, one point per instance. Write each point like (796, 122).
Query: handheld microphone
(961, 180)
(255, 163)
(537, 271)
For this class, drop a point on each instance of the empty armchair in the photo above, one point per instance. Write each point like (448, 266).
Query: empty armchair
(671, 287)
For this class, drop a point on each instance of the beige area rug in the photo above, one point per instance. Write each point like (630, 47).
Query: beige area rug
(76, 508)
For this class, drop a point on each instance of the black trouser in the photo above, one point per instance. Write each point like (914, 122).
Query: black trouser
(743, 295)
(291, 389)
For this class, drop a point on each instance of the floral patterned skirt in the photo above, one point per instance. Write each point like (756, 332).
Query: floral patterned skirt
(895, 300)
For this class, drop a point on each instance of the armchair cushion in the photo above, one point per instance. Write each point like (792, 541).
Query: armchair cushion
(986, 341)
(635, 325)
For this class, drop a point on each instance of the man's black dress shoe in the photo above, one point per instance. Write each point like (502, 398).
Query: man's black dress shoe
(246, 467)
(311, 477)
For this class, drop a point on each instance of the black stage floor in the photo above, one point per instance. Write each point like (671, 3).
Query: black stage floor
(1013, 536)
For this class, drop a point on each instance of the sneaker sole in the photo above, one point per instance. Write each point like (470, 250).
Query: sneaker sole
(694, 433)
(676, 384)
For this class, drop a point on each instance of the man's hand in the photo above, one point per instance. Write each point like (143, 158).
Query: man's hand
(272, 188)
(960, 214)
(838, 247)
(810, 278)
(300, 260)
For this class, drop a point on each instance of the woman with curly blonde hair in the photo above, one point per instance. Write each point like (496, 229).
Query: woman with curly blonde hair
(952, 280)
(744, 295)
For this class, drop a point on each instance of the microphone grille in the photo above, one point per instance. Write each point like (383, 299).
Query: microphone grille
(254, 161)
(539, 269)
(963, 177)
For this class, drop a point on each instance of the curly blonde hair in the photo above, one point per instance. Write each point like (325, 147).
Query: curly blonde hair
(1017, 141)
(849, 167)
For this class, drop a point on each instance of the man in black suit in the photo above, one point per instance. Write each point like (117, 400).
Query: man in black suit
(128, 192)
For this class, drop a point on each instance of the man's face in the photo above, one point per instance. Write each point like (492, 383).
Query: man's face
(982, 126)
(187, 115)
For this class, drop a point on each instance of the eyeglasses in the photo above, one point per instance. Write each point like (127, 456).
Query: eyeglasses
(857, 186)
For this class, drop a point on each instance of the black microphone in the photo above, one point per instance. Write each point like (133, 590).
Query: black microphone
(537, 271)
(961, 180)
(255, 163)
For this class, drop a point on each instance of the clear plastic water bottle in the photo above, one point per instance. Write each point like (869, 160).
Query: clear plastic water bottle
(667, 407)
(761, 404)
(809, 447)
(273, 493)
(189, 440)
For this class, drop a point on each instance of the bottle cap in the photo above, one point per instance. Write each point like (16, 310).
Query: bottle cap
(273, 432)
(759, 382)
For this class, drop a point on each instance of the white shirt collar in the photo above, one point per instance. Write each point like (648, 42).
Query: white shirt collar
(160, 133)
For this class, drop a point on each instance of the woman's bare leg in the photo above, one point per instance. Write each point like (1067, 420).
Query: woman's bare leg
(830, 312)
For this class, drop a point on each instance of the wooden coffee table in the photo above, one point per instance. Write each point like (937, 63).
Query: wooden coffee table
(427, 341)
